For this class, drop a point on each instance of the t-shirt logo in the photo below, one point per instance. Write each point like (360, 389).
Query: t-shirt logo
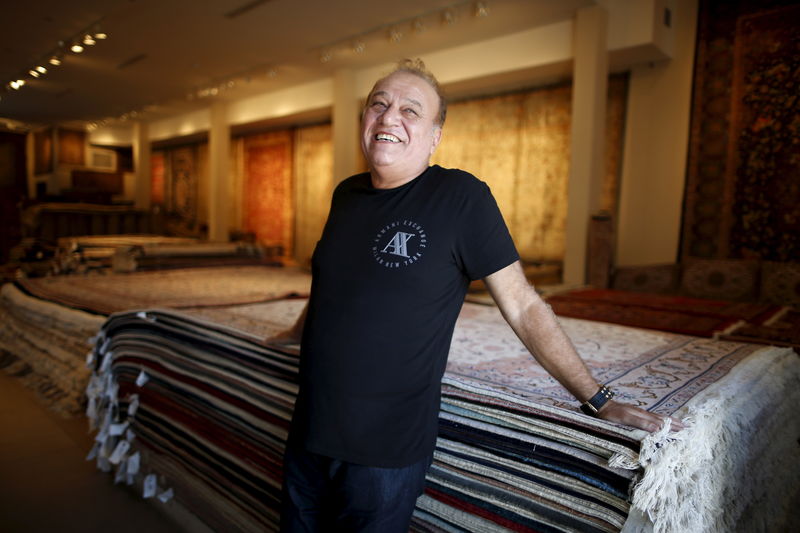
(400, 243)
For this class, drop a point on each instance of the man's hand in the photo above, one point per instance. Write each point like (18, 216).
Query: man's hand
(629, 415)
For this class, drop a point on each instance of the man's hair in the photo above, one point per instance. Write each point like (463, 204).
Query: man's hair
(417, 68)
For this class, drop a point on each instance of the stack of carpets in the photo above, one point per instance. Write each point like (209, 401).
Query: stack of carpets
(150, 257)
(676, 314)
(46, 323)
(45, 345)
(85, 252)
(192, 401)
(179, 288)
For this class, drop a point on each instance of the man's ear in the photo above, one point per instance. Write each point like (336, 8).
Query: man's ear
(436, 138)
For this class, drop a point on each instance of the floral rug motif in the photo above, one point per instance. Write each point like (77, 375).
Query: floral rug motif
(657, 371)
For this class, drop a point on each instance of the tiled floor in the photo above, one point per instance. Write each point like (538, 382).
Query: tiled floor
(47, 486)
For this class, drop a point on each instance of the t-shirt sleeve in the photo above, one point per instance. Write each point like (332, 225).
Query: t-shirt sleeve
(483, 245)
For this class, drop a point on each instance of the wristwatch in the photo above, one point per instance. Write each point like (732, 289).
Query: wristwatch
(593, 404)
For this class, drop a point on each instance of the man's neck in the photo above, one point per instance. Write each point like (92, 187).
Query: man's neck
(386, 179)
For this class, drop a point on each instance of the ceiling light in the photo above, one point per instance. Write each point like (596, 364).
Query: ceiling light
(55, 60)
(16, 84)
(34, 73)
(448, 17)
(100, 35)
(88, 40)
(481, 9)
(41, 69)
(418, 25)
(77, 48)
(395, 35)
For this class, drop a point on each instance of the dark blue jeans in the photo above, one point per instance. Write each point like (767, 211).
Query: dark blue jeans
(324, 494)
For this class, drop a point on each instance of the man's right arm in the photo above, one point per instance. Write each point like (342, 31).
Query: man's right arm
(291, 335)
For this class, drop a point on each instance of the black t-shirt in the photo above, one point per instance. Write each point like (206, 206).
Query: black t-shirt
(389, 277)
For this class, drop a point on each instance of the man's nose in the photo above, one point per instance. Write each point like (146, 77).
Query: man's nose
(391, 115)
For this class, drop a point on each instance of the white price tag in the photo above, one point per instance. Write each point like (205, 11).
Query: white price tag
(119, 452)
(117, 429)
(150, 486)
(133, 406)
(120, 474)
(166, 496)
(133, 463)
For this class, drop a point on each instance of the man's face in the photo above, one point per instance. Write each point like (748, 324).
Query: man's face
(398, 127)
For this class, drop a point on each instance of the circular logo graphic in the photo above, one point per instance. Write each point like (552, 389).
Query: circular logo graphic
(399, 244)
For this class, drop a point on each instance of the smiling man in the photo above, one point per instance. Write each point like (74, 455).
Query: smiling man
(390, 272)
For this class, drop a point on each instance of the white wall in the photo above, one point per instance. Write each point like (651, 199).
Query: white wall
(655, 150)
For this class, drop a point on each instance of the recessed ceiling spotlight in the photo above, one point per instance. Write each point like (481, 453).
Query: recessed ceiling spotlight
(55, 60)
(100, 35)
(88, 40)
(34, 73)
(77, 48)
(41, 70)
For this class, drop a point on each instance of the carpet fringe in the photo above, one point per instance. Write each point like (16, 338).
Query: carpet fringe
(738, 449)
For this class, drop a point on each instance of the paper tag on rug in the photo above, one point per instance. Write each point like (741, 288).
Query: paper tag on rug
(166, 496)
(93, 452)
(103, 464)
(142, 379)
(133, 464)
(119, 452)
(106, 363)
(120, 474)
(133, 406)
(117, 429)
(104, 346)
(150, 485)
(90, 357)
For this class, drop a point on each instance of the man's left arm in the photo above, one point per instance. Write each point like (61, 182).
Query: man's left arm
(535, 324)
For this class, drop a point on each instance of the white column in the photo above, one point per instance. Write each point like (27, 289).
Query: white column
(219, 143)
(587, 150)
(141, 165)
(346, 143)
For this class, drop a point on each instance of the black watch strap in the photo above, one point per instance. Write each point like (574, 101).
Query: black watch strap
(593, 404)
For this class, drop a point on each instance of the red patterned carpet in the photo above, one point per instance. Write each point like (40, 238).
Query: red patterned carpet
(676, 314)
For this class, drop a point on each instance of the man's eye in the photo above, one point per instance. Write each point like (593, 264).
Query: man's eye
(409, 111)
(378, 104)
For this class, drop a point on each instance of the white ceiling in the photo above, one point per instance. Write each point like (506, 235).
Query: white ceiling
(161, 53)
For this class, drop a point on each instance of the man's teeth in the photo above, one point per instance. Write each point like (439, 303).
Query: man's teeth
(386, 137)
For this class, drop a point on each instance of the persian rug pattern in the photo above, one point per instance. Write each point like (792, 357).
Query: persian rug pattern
(268, 206)
(741, 192)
